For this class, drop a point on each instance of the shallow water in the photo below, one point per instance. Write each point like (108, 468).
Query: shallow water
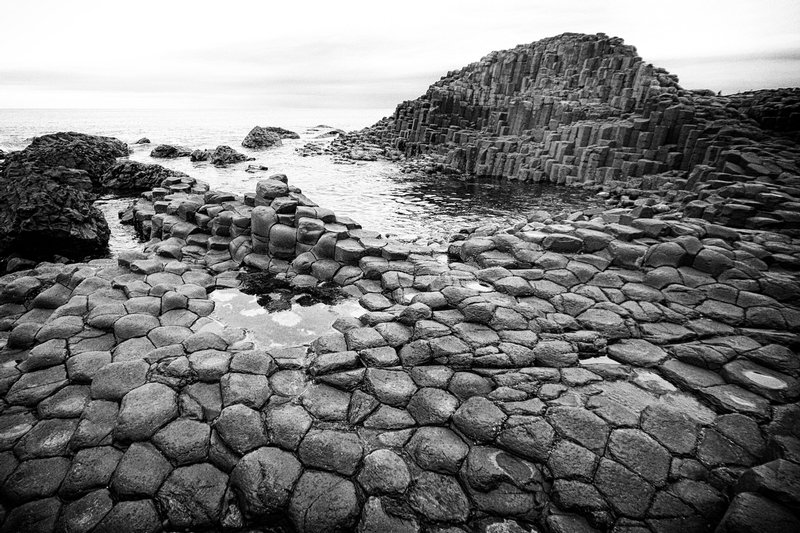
(375, 194)
(299, 325)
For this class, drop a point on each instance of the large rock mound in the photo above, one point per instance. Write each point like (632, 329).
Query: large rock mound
(586, 110)
(260, 137)
(49, 211)
(46, 191)
(93, 153)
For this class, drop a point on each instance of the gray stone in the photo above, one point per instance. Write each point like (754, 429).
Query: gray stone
(141, 471)
(432, 406)
(375, 519)
(69, 402)
(91, 468)
(183, 441)
(47, 438)
(581, 425)
(568, 460)
(144, 411)
(37, 478)
(641, 454)
(138, 516)
(323, 503)
(336, 451)
(528, 436)
(326, 403)
(750, 512)
(391, 387)
(192, 496)
(250, 389)
(628, 493)
(636, 352)
(115, 380)
(287, 425)
(439, 498)
(384, 472)
(83, 515)
(479, 419)
(96, 424)
(263, 481)
(437, 449)
(241, 428)
(135, 325)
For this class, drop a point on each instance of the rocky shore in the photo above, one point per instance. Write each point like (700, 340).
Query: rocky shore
(629, 369)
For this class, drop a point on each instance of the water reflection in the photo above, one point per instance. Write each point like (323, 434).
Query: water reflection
(298, 323)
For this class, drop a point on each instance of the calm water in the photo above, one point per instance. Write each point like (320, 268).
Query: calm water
(375, 194)
(295, 326)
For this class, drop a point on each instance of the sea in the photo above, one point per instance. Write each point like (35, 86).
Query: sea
(409, 206)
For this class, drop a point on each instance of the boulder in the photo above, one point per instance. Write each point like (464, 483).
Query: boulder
(260, 138)
(49, 211)
(133, 176)
(167, 151)
(93, 154)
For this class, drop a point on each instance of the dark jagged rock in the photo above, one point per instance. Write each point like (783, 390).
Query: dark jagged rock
(91, 153)
(133, 176)
(143, 140)
(260, 138)
(220, 156)
(49, 211)
(47, 195)
(167, 151)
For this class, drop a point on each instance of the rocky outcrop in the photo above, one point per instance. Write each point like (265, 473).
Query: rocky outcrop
(91, 153)
(586, 110)
(617, 370)
(260, 138)
(47, 194)
(220, 156)
(167, 151)
(48, 212)
(133, 176)
(143, 140)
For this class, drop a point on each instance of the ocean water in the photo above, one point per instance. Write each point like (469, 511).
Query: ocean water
(376, 194)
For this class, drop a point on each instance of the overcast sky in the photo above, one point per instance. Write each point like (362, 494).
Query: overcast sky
(354, 54)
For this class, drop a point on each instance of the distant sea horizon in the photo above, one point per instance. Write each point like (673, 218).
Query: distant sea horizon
(200, 128)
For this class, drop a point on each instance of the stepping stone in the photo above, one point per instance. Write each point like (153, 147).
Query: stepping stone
(636, 352)
(192, 496)
(384, 472)
(141, 471)
(144, 411)
(323, 502)
(264, 479)
(115, 380)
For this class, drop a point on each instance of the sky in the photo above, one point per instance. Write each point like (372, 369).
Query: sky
(241, 54)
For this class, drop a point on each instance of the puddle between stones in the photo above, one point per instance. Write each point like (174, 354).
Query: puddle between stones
(278, 316)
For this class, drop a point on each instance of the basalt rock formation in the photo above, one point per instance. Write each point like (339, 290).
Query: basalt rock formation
(586, 110)
(608, 371)
(632, 369)
(91, 153)
(261, 137)
(167, 151)
(220, 156)
(47, 191)
(132, 176)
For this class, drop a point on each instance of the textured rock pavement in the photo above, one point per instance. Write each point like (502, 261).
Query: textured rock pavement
(596, 373)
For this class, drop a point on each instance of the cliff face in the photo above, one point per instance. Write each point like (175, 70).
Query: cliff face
(586, 110)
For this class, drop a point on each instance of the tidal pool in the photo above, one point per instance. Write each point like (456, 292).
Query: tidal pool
(296, 322)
